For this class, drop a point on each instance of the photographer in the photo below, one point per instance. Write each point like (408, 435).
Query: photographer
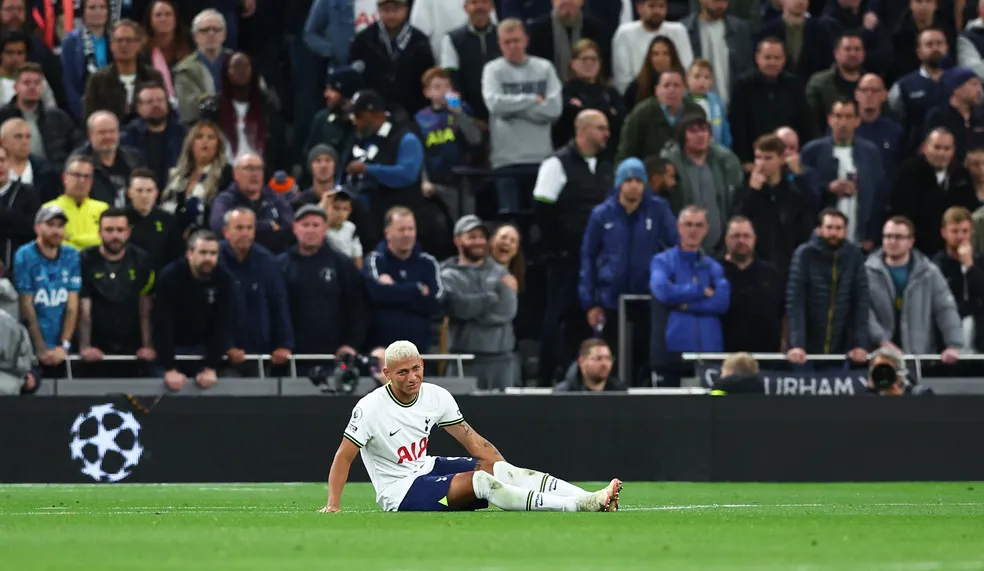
(886, 375)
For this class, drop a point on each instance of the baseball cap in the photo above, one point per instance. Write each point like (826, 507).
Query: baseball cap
(346, 79)
(50, 212)
(366, 100)
(310, 209)
(467, 223)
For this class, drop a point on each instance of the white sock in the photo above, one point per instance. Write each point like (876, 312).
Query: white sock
(534, 480)
(515, 499)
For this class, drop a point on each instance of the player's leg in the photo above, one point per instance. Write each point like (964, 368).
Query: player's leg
(531, 479)
(466, 487)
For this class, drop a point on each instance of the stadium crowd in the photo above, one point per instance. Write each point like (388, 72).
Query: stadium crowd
(238, 177)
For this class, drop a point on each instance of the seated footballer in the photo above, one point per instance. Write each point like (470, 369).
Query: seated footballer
(391, 426)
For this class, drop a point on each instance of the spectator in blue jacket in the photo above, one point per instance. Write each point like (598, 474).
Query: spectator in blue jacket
(404, 284)
(914, 95)
(850, 174)
(263, 316)
(273, 215)
(84, 51)
(692, 290)
(623, 234)
(156, 132)
(325, 291)
(331, 26)
(875, 126)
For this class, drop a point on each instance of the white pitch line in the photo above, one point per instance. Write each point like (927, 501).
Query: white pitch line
(763, 506)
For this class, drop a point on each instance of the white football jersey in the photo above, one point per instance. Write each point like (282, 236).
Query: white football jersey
(393, 437)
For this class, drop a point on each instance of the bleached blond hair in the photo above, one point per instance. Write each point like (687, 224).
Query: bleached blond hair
(401, 351)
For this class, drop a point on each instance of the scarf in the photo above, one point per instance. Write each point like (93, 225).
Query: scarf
(396, 46)
(89, 52)
(563, 39)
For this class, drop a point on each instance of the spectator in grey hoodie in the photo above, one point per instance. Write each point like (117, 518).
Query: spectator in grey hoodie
(16, 356)
(910, 298)
(482, 301)
(524, 98)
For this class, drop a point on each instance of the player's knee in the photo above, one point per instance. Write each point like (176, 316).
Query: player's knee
(483, 483)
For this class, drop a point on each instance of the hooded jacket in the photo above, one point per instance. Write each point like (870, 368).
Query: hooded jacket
(401, 310)
(827, 298)
(927, 305)
(16, 354)
(270, 209)
(480, 307)
(619, 246)
(18, 204)
(678, 279)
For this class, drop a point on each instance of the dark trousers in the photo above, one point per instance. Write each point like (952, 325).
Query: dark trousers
(308, 80)
(565, 324)
(514, 186)
(638, 328)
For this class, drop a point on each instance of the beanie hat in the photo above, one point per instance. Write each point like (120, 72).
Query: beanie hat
(630, 168)
(954, 78)
(282, 183)
(322, 149)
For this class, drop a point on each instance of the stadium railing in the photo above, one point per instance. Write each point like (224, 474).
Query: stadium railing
(625, 341)
(459, 358)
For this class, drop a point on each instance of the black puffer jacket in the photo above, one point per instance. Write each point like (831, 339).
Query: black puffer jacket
(58, 130)
(827, 298)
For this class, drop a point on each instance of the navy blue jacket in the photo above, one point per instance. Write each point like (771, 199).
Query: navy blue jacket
(918, 95)
(677, 281)
(873, 186)
(135, 136)
(401, 311)
(262, 315)
(886, 134)
(326, 296)
(618, 248)
(269, 209)
(966, 134)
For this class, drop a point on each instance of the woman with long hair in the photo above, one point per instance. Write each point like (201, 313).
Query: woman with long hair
(168, 42)
(587, 89)
(203, 171)
(85, 51)
(504, 248)
(248, 114)
(663, 56)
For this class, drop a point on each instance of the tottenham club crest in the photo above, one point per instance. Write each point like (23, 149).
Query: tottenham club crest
(328, 275)
(106, 442)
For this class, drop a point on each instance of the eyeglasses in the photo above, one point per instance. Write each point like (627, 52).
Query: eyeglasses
(898, 237)
(251, 168)
(694, 224)
(79, 175)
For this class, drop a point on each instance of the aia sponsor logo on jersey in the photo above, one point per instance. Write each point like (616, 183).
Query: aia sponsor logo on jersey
(416, 450)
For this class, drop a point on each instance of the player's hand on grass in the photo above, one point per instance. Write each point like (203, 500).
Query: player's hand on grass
(329, 509)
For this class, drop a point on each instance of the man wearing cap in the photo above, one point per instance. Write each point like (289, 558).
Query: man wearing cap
(850, 174)
(325, 291)
(48, 279)
(623, 234)
(273, 213)
(331, 126)
(961, 115)
(568, 186)
(81, 211)
(481, 305)
(396, 55)
(383, 166)
(709, 175)
(322, 162)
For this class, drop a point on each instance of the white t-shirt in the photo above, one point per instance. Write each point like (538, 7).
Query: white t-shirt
(714, 47)
(848, 205)
(366, 14)
(242, 142)
(345, 241)
(129, 82)
(27, 177)
(393, 437)
(630, 46)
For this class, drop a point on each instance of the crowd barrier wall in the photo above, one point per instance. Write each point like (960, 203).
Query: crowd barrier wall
(578, 437)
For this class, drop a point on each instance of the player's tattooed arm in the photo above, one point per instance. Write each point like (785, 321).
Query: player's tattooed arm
(476, 445)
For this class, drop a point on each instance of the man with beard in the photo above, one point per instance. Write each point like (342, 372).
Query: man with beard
(961, 115)
(775, 205)
(592, 372)
(840, 81)
(921, 15)
(331, 126)
(53, 132)
(325, 292)
(630, 46)
(926, 185)
(117, 279)
(755, 320)
(915, 94)
(113, 162)
(827, 295)
(153, 229)
(156, 132)
(841, 16)
(194, 314)
(850, 174)
(48, 280)
(481, 305)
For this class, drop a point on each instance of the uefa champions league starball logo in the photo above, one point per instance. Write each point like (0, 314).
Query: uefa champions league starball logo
(106, 442)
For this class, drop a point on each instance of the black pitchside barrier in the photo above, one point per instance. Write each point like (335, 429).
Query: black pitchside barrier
(578, 437)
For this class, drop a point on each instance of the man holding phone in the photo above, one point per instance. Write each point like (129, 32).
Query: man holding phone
(851, 174)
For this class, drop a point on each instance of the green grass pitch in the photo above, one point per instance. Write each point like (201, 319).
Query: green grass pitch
(679, 527)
